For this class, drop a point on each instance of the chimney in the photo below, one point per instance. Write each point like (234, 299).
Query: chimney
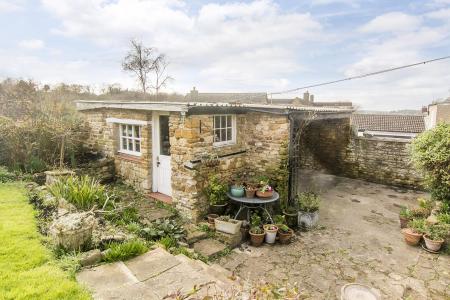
(306, 96)
(194, 94)
(424, 109)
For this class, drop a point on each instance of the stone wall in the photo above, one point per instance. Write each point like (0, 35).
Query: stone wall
(258, 143)
(135, 170)
(259, 140)
(332, 146)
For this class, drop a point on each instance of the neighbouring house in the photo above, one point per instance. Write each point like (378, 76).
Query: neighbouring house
(437, 112)
(161, 147)
(388, 125)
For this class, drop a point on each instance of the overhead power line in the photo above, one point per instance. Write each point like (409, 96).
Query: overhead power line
(359, 76)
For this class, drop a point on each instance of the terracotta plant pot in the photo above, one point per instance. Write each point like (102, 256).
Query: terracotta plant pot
(256, 239)
(250, 193)
(212, 217)
(271, 233)
(403, 222)
(266, 194)
(285, 237)
(433, 245)
(411, 238)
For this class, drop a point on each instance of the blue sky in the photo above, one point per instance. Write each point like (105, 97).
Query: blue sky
(238, 45)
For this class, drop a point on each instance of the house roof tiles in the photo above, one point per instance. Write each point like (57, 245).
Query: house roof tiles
(386, 122)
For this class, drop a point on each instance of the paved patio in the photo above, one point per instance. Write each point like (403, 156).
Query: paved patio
(360, 241)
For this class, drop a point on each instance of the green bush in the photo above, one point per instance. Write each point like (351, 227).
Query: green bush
(417, 225)
(431, 154)
(216, 191)
(125, 250)
(168, 242)
(5, 175)
(437, 231)
(308, 201)
(83, 192)
(162, 228)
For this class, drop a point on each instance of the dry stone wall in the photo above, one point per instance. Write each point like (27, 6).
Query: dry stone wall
(135, 170)
(259, 140)
(332, 146)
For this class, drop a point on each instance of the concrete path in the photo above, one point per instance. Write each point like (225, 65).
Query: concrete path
(154, 275)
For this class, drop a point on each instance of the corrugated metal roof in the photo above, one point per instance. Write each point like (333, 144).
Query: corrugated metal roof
(185, 106)
(385, 122)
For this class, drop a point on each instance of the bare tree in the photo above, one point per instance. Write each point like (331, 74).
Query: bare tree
(161, 78)
(139, 60)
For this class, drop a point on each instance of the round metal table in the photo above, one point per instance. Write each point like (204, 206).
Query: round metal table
(252, 203)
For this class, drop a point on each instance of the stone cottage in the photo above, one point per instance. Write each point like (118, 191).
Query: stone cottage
(160, 147)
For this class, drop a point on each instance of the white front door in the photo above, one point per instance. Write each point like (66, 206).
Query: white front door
(162, 150)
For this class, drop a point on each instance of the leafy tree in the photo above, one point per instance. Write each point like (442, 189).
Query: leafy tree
(431, 154)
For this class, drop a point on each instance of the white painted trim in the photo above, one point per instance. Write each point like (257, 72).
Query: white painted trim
(128, 121)
(155, 150)
(134, 153)
(233, 132)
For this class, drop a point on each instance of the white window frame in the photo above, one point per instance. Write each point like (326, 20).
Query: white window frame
(233, 130)
(133, 138)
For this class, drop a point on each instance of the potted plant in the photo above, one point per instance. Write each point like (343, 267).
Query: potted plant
(271, 233)
(413, 233)
(256, 232)
(308, 214)
(227, 225)
(285, 234)
(217, 195)
(291, 215)
(264, 190)
(250, 191)
(279, 220)
(405, 216)
(435, 236)
(212, 217)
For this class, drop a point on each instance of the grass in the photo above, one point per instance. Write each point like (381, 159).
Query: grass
(125, 250)
(27, 268)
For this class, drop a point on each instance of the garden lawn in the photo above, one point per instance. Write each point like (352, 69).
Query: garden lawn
(27, 268)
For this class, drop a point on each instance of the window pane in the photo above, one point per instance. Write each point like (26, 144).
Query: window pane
(216, 122)
(164, 135)
(130, 130)
(223, 121)
(217, 135)
(123, 132)
(223, 136)
(229, 134)
(124, 144)
(137, 146)
(228, 121)
(137, 131)
(130, 145)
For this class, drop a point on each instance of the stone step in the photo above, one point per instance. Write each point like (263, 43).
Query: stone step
(194, 234)
(209, 247)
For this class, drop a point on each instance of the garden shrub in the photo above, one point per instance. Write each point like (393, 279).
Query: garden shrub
(431, 154)
(5, 175)
(124, 251)
(162, 228)
(83, 192)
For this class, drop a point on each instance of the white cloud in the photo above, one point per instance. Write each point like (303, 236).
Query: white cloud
(219, 40)
(392, 22)
(7, 6)
(32, 44)
(354, 3)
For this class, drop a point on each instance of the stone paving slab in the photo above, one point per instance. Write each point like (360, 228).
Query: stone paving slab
(137, 291)
(181, 278)
(209, 247)
(151, 264)
(106, 277)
